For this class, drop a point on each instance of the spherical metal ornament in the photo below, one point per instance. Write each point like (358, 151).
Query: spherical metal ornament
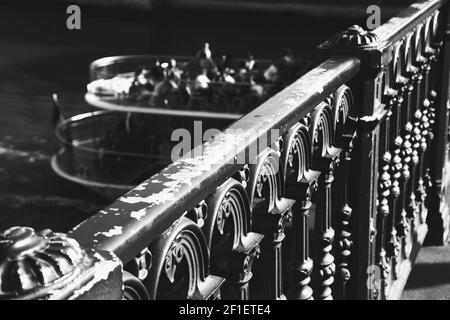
(408, 127)
(395, 192)
(34, 263)
(387, 157)
(417, 114)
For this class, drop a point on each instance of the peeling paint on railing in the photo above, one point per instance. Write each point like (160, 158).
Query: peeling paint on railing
(138, 214)
(101, 274)
(112, 232)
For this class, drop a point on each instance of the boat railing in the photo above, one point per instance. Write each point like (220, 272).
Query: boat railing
(229, 88)
(326, 190)
(109, 67)
(86, 131)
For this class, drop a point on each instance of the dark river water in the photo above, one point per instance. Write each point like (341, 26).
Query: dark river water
(39, 56)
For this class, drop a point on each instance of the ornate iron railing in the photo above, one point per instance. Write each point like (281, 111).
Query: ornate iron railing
(324, 191)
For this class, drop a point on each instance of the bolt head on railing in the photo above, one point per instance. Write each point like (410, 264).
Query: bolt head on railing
(48, 265)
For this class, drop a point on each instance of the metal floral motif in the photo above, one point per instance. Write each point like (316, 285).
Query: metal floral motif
(173, 258)
(32, 260)
(356, 36)
(267, 182)
(181, 256)
(224, 212)
(298, 154)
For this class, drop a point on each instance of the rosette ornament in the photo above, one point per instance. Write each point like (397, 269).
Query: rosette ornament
(356, 36)
(44, 265)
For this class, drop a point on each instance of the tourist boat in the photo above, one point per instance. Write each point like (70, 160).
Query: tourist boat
(140, 99)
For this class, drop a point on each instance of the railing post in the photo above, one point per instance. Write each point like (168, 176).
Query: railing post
(270, 214)
(438, 215)
(341, 221)
(232, 252)
(355, 41)
(324, 259)
(47, 265)
(300, 183)
(301, 261)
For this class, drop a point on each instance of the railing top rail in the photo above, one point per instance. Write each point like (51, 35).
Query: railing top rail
(144, 213)
(405, 21)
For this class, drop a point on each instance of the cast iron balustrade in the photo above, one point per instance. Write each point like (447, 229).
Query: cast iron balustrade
(347, 178)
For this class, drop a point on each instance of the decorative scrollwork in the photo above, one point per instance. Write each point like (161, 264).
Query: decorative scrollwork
(233, 247)
(181, 265)
(322, 132)
(265, 186)
(228, 214)
(344, 125)
(296, 159)
(173, 258)
(223, 214)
